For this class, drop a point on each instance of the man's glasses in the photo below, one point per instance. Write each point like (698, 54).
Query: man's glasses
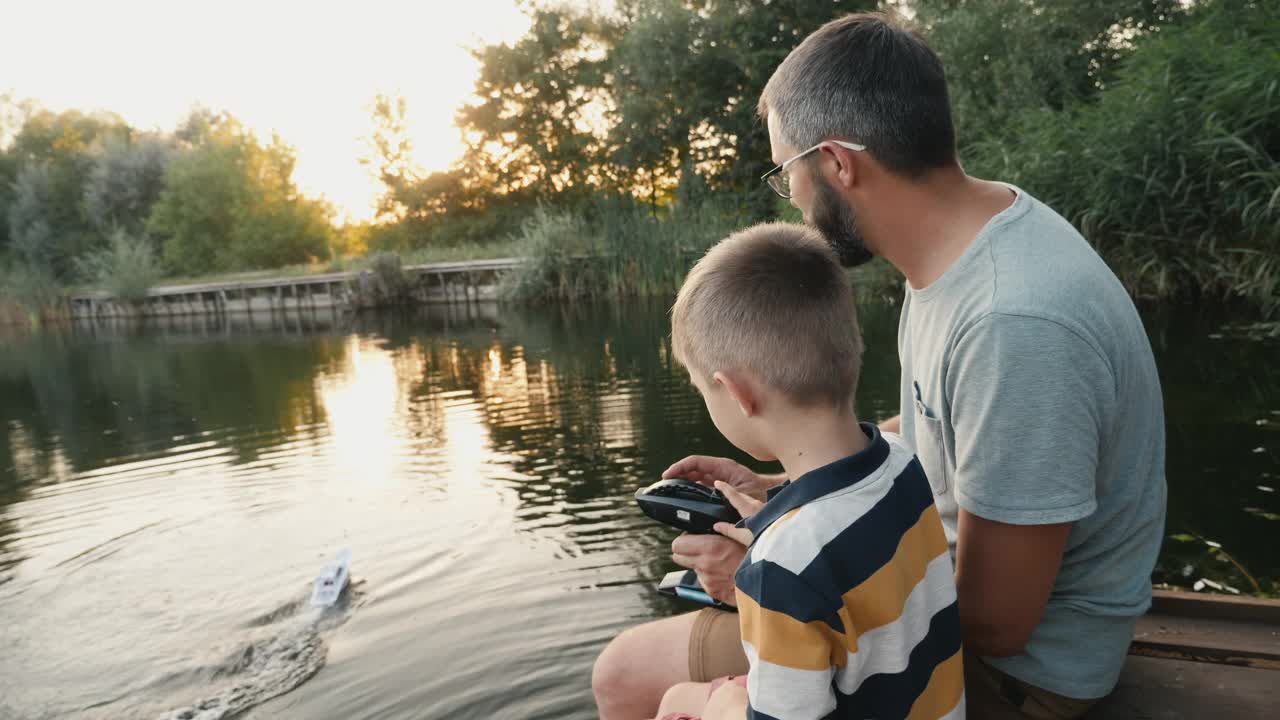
(779, 180)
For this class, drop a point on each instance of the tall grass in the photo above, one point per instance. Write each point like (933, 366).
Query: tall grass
(126, 268)
(385, 283)
(628, 251)
(617, 249)
(28, 293)
(1174, 172)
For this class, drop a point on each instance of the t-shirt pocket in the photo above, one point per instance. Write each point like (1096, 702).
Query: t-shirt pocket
(929, 445)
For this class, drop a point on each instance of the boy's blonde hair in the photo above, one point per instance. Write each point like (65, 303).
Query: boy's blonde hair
(772, 300)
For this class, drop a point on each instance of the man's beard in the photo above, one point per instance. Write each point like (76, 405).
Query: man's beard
(834, 219)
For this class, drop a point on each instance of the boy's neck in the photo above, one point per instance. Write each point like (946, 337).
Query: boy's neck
(809, 439)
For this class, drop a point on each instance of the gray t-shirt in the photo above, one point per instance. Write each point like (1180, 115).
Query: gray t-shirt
(1030, 394)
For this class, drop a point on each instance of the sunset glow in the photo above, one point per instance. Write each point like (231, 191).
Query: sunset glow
(307, 71)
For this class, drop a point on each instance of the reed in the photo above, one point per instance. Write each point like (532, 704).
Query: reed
(1174, 171)
(616, 249)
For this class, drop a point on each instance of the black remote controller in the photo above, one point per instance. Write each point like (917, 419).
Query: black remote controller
(686, 505)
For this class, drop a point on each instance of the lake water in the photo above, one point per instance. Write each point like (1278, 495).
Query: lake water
(167, 494)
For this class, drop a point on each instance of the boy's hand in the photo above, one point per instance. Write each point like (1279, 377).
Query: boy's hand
(707, 470)
(746, 507)
(713, 558)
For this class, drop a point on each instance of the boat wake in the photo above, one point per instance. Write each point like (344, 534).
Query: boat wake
(272, 665)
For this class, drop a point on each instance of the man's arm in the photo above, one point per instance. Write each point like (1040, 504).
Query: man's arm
(1029, 400)
(893, 425)
(1004, 574)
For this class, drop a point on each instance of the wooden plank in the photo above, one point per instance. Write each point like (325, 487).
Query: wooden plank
(1152, 689)
(442, 268)
(1207, 640)
(1219, 629)
(1217, 607)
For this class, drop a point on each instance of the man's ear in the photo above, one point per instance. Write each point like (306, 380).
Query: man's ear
(741, 390)
(840, 164)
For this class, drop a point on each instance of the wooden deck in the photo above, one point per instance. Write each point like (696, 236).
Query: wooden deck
(434, 282)
(1200, 656)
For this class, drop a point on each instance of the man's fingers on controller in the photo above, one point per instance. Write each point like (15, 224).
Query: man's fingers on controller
(740, 500)
(684, 463)
(693, 464)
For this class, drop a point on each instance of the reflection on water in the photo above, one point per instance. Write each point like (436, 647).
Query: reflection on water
(167, 492)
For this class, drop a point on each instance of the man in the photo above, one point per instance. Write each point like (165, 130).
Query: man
(1028, 391)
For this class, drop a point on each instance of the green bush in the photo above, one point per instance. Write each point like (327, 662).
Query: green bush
(550, 240)
(1006, 57)
(126, 268)
(1173, 172)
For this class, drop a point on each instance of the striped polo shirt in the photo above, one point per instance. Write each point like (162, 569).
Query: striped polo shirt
(847, 595)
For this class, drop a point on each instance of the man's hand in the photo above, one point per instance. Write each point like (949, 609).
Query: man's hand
(716, 557)
(707, 470)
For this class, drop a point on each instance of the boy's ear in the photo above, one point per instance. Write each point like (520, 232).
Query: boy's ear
(741, 391)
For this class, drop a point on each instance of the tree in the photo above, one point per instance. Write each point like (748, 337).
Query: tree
(278, 226)
(13, 115)
(1004, 57)
(657, 68)
(229, 203)
(29, 213)
(534, 123)
(639, 101)
(196, 213)
(53, 153)
(390, 155)
(125, 180)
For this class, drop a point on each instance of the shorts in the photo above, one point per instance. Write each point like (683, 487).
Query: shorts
(715, 646)
(994, 694)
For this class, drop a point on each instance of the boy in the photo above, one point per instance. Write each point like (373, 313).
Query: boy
(847, 604)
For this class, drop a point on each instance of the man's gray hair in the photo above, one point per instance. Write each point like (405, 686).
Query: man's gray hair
(866, 79)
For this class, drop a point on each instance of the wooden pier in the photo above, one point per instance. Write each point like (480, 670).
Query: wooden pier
(1200, 656)
(466, 281)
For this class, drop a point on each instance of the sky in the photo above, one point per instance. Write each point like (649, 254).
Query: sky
(306, 70)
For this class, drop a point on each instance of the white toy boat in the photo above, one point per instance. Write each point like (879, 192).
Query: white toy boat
(332, 579)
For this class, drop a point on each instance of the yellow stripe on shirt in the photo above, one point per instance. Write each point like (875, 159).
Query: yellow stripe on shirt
(879, 599)
(944, 691)
(785, 641)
